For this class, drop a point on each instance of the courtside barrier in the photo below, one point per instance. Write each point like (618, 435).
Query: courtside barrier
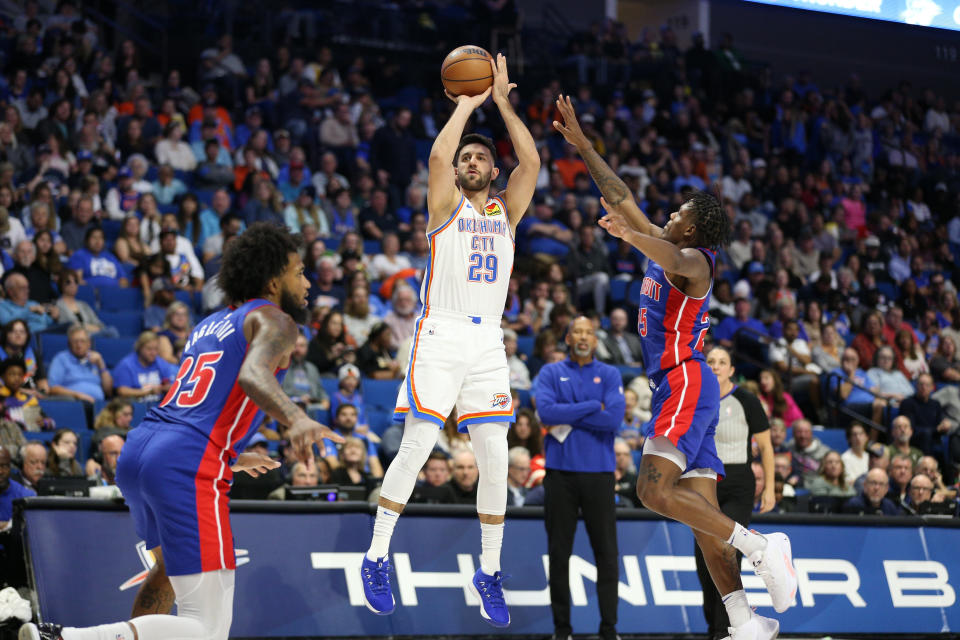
(298, 571)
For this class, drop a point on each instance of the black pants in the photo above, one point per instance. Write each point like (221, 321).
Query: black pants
(567, 493)
(735, 495)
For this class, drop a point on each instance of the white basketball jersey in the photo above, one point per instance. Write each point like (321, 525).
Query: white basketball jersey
(471, 258)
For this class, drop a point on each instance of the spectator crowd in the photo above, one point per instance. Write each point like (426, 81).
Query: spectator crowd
(837, 293)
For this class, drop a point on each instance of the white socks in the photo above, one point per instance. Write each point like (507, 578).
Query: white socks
(491, 539)
(382, 532)
(737, 608)
(745, 541)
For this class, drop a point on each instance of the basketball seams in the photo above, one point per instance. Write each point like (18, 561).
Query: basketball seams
(443, 72)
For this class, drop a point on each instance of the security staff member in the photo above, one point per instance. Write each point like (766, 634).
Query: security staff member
(581, 401)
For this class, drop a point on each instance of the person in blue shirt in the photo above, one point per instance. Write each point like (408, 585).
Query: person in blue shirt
(728, 327)
(345, 424)
(10, 490)
(94, 265)
(581, 401)
(857, 395)
(142, 374)
(79, 372)
(18, 305)
(541, 233)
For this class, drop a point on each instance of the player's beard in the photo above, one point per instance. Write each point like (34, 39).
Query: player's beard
(293, 306)
(474, 182)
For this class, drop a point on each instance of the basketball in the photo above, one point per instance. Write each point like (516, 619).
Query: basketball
(466, 71)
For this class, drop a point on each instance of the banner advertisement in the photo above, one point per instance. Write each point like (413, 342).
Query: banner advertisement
(298, 574)
(924, 13)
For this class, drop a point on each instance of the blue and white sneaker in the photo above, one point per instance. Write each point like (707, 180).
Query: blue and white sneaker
(376, 586)
(489, 589)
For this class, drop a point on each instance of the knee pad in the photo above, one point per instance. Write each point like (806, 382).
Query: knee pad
(490, 448)
(419, 438)
(208, 598)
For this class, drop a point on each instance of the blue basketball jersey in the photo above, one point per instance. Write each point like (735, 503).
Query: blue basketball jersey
(671, 323)
(206, 395)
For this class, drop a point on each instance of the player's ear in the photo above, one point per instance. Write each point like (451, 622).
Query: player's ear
(494, 173)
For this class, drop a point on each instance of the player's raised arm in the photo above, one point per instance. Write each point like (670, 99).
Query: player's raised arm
(442, 193)
(271, 335)
(688, 263)
(523, 179)
(616, 194)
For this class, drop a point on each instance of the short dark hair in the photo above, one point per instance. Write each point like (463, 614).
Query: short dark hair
(476, 138)
(345, 405)
(257, 256)
(15, 361)
(713, 225)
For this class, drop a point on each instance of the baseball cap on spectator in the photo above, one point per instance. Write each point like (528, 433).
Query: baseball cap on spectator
(872, 241)
(258, 439)
(588, 117)
(759, 163)
(254, 111)
(309, 190)
(649, 93)
(741, 290)
(509, 334)
(44, 148)
(940, 186)
(661, 141)
(84, 154)
(755, 267)
(281, 133)
(125, 172)
(348, 370)
(166, 231)
(296, 164)
(698, 146)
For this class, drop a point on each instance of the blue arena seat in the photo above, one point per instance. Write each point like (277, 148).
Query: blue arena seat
(128, 323)
(51, 344)
(836, 439)
(68, 414)
(330, 385)
(113, 349)
(120, 298)
(379, 399)
(618, 290)
(88, 294)
(525, 345)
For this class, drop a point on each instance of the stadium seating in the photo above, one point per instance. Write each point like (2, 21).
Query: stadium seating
(113, 349)
(68, 414)
(128, 323)
(120, 298)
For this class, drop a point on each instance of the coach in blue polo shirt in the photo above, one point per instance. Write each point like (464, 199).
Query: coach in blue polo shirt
(581, 402)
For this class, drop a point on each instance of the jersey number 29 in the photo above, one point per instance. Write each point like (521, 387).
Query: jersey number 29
(200, 376)
(482, 268)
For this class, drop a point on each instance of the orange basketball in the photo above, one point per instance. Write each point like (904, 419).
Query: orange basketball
(466, 71)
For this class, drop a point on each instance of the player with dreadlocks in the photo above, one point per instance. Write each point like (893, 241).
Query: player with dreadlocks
(680, 467)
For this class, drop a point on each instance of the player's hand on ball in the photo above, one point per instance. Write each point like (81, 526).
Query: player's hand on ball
(255, 464)
(570, 127)
(471, 101)
(305, 432)
(501, 82)
(614, 224)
